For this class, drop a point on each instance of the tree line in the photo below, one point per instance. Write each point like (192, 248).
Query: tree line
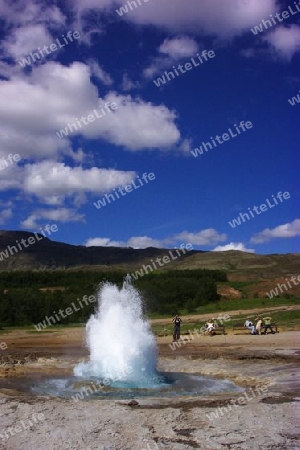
(22, 302)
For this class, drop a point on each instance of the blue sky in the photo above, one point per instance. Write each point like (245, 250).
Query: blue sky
(114, 60)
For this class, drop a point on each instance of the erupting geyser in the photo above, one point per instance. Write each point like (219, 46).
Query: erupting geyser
(123, 356)
(122, 346)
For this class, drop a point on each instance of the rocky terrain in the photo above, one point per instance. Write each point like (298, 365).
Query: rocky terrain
(265, 421)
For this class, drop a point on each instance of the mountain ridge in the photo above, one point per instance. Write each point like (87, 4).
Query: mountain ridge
(47, 254)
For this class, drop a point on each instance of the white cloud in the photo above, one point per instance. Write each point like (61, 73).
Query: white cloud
(34, 107)
(11, 178)
(28, 25)
(208, 236)
(26, 39)
(215, 17)
(171, 50)
(24, 12)
(53, 181)
(9, 70)
(139, 125)
(205, 237)
(284, 40)
(143, 242)
(179, 47)
(103, 242)
(233, 246)
(287, 230)
(33, 145)
(134, 242)
(209, 17)
(54, 215)
(79, 156)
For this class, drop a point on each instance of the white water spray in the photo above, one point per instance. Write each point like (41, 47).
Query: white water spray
(122, 346)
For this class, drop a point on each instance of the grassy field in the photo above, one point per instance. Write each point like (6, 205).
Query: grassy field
(246, 303)
(237, 304)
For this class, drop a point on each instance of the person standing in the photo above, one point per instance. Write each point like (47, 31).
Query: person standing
(268, 324)
(259, 325)
(176, 334)
(248, 324)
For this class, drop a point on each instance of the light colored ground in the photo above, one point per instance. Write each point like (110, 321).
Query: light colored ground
(264, 422)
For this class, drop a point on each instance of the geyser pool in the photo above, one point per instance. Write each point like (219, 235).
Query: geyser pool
(123, 357)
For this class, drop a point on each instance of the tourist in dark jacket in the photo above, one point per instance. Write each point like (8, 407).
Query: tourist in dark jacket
(176, 333)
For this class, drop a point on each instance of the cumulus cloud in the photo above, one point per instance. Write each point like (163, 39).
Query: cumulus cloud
(29, 25)
(54, 215)
(138, 125)
(34, 144)
(23, 113)
(208, 236)
(233, 246)
(179, 47)
(26, 39)
(205, 237)
(11, 178)
(23, 12)
(171, 51)
(144, 242)
(211, 17)
(53, 181)
(69, 94)
(287, 230)
(9, 70)
(284, 40)
(35, 106)
(104, 242)
(134, 242)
